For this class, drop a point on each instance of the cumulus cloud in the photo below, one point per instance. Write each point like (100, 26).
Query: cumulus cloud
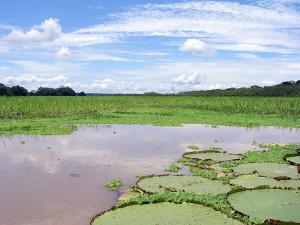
(32, 80)
(195, 78)
(268, 82)
(112, 86)
(63, 53)
(49, 30)
(194, 45)
(108, 86)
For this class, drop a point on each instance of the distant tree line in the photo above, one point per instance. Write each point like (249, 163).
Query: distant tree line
(42, 91)
(287, 88)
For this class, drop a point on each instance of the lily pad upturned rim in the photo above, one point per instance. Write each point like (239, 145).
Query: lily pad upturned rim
(287, 158)
(239, 190)
(201, 206)
(184, 155)
(255, 170)
(265, 186)
(142, 190)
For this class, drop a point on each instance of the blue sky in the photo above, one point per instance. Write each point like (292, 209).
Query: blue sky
(134, 46)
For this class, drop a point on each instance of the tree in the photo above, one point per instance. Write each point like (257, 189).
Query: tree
(65, 91)
(81, 94)
(19, 91)
(43, 91)
(4, 90)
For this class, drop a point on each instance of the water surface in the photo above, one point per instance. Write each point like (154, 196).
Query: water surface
(46, 180)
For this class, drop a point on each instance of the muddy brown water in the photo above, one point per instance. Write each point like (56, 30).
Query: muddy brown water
(47, 180)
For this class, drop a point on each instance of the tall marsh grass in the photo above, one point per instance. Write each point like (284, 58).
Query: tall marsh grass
(57, 107)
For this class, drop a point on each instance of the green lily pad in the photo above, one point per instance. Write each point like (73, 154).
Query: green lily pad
(268, 204)
(164, 214)
(272, 170)
(214, 156)
(195, 184)
(294, 159)
(253, 181)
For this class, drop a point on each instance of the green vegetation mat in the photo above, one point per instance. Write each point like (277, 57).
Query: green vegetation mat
(294, 159)
(253, 181)
(114, 184)
(267, 204)
(214, 156)
(272, 170)
(60, 115)
(164, 214)
(193, 184)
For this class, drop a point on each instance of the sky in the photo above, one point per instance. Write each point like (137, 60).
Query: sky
(137, 46)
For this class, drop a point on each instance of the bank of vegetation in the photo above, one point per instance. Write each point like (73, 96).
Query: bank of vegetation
(60, 115)
(42, 91)
(287, 88)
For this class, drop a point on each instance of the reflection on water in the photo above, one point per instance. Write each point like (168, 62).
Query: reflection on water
(48, 180)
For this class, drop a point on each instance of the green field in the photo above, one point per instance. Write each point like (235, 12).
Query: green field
(60, 115)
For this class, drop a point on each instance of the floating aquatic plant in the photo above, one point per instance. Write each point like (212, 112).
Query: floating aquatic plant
(114, 184)
(193, 184)
(268, 204)
(273, 170)
(254, 181)
(213, 155)
(164, 214)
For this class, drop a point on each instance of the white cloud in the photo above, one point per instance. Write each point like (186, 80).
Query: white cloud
(246, 56)
(268, 82)
(112, 86)
(32, 80)
(99, 57)
(81, 55)
(225, 24)
(49, 68)
(194, 45)
(108, 86)
(63, 53)
(195, 78)
(295, 66)
(49, 30)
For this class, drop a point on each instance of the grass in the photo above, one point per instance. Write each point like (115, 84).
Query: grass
(114, 184)
(60, 115)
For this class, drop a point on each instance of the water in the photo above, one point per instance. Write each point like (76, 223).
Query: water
(46, 180)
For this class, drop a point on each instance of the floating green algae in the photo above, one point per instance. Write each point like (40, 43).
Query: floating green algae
(253, 181)
(268, 204)
(212, 155)
(193, 184)
(272, 170)
(164, 214)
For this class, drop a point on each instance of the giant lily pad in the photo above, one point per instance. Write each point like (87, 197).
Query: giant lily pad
(211, 155)
(193, 184)
(253, 181)
(164, 214)
(268, 170)
(268, 204)
(295, 160)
